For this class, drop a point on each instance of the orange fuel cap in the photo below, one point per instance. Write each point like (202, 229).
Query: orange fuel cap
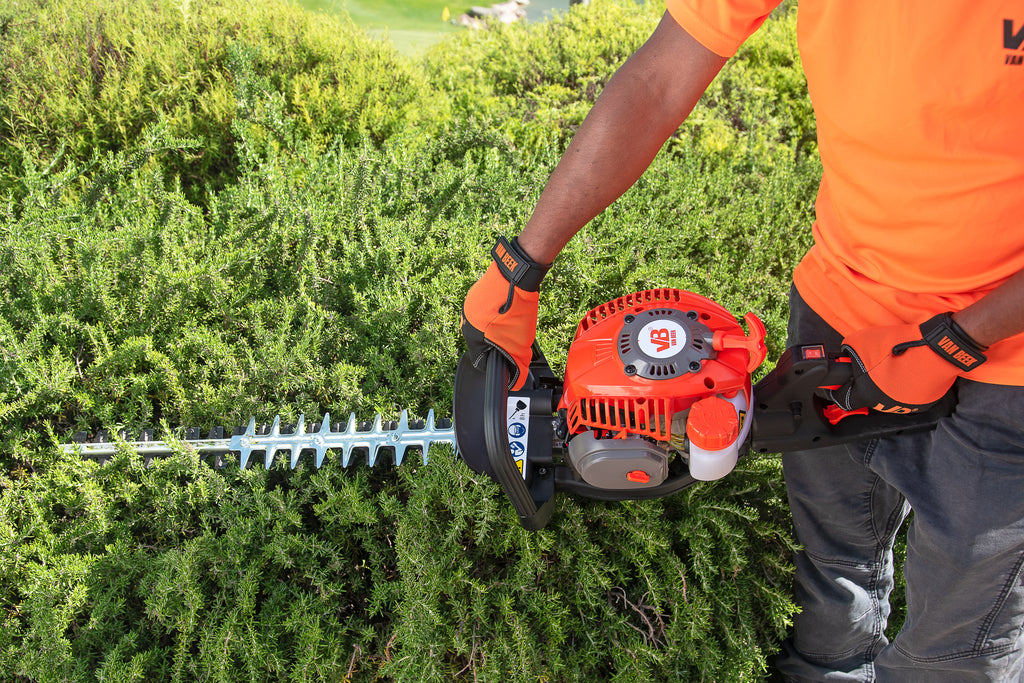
(712, 423)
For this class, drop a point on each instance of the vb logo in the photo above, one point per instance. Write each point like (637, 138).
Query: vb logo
(1012, 40)
(663, 339)
(894, 410)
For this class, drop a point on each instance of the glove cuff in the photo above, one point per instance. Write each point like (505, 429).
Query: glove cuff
(952, 343)
(517, 267)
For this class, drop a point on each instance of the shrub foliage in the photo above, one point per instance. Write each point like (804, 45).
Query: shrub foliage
(221, 210)
(81, 77)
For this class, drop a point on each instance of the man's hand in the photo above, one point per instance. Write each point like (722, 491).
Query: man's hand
(500, 311)
(905, 368)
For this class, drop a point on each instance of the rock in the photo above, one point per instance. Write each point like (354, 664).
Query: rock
(505, 12)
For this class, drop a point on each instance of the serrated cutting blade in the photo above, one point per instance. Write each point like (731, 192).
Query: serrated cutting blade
(318, 437)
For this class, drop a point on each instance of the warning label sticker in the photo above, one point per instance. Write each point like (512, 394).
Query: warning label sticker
(517, 411)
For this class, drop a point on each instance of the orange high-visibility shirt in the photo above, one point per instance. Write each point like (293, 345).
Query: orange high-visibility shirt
(920, 114)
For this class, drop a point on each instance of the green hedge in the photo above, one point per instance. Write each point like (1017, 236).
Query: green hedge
(85, 77)
(536, 83)
(325, 273)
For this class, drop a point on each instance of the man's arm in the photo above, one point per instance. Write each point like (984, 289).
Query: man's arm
(646, 100)
(997, 315)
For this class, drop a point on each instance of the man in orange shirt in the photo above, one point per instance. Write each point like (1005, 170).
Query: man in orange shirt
(917, 272)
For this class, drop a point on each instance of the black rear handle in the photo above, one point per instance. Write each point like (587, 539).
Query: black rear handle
(790, 413)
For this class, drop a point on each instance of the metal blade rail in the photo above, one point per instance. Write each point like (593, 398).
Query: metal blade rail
(319, 438)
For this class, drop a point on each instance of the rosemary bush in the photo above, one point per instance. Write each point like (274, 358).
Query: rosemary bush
(319, 264)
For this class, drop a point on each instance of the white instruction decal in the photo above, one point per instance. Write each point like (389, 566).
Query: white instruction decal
(517, 411)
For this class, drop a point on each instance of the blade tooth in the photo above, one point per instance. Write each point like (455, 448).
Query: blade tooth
(275, 429)
(426, 452)
(268, 460)
(403, 422)
(350, 429)
(246, 452)
(430, 420)
(251, 429)
(377, 429)
(320, 445)
(321, 448)
(300, 433)
(371, 457)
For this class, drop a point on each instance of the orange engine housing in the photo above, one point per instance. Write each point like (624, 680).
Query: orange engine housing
(639, 359)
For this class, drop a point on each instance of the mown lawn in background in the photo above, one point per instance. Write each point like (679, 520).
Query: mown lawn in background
(415, 25)
(411, 26)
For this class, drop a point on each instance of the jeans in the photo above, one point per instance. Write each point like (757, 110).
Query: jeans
(965, 548)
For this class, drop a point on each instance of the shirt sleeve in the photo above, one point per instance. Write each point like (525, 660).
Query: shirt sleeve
(721, 25)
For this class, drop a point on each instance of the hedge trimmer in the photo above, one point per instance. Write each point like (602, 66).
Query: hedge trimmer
(657, 395)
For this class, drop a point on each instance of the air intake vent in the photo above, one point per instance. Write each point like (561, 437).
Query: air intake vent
(623, 303)
(647, 417)
(662, 371)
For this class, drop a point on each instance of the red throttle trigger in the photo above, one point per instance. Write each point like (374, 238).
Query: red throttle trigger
(753, 342)
(833, 413)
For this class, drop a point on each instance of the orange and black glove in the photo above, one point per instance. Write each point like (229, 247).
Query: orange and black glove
(906, 368)
(500, 311)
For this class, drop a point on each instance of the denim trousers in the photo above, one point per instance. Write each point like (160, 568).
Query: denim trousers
(964, 482)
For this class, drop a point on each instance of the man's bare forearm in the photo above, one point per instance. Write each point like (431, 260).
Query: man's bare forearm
(643, 104)
(996, 316)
